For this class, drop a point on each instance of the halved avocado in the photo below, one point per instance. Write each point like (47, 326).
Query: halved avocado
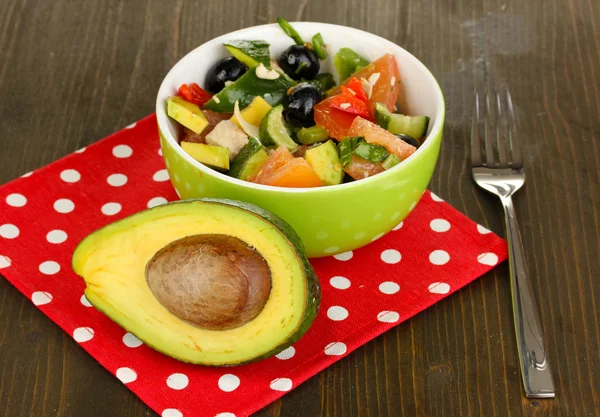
(205, 281)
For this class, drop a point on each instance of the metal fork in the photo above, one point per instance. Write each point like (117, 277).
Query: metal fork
(503, 175)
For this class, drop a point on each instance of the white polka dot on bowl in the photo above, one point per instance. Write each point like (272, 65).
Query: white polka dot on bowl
(344, 256)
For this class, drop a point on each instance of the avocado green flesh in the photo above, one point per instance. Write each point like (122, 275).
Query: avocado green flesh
(250, 53)
(112, 262)
(325, 161)
(188, 114)
(216, 157)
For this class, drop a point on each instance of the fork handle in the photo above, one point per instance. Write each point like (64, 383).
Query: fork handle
(535, 370)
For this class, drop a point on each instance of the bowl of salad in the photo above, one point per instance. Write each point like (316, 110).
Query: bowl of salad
(334, 129)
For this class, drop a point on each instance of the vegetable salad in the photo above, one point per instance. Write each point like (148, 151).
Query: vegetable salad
(283, 122)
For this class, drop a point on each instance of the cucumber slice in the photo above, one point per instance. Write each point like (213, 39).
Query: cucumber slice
(371, 152)
(391, 161)
(312, 135)
(415, 126)
(250, 53)
(249, 161)
(346, 147)
(213, 156)
(273, 131)
(325, 161)
(347, 62)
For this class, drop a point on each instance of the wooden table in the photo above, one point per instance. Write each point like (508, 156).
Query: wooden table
(74, 72)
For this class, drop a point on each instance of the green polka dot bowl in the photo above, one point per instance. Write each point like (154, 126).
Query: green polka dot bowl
(333, 219)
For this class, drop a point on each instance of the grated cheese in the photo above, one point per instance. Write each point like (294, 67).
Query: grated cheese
(373, 78)
(265, 74)
(367, 86)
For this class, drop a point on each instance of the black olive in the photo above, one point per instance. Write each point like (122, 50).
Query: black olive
(408, 139)
(301, 101)
(227, 69)
(299, 62)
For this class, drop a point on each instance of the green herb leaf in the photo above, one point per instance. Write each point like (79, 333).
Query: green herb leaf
(346, 147)
(391, 161)
(371, 152)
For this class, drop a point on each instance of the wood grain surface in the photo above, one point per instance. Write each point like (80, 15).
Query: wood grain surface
(73, 72)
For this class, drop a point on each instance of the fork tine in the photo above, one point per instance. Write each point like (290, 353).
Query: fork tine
(517, 159)
(476, 136)
(489, 145)
(501, 130)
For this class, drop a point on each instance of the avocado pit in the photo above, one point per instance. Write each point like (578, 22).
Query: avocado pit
(213, 281)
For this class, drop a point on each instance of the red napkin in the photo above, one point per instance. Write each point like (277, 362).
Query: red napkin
(43, 215)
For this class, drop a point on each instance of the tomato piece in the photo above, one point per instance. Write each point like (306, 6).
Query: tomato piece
(360, 168)
(295, 174)
(194, 94)
(338, 111)
(281, 169)
(356, 86)
(386, 89)
(336, 121)
(378, 135)
(347, 102)
(276, 160)
(213, 119)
